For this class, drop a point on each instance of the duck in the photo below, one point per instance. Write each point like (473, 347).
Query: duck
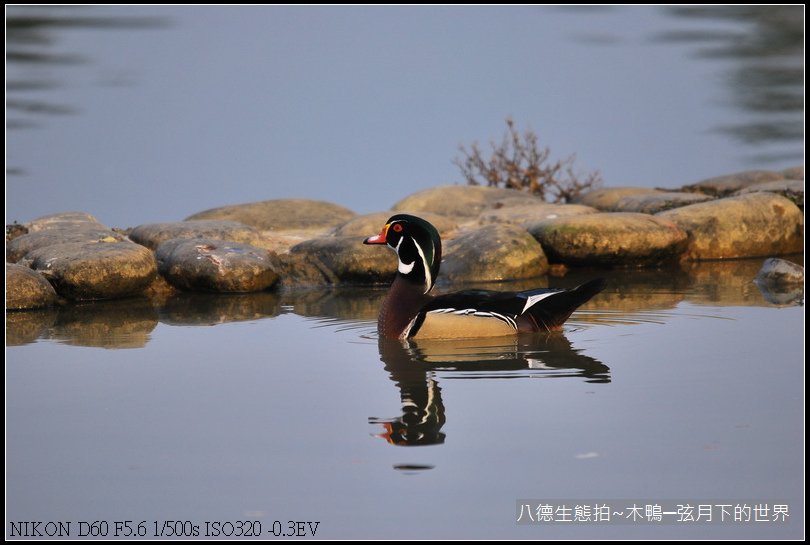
(410, 311)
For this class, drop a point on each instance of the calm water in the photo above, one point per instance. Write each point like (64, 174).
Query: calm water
(669, 385)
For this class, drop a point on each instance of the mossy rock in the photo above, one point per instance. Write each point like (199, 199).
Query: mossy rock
(611, 239)
(95, 270)
(756, 224)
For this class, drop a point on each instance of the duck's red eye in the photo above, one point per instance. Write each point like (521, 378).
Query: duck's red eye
(396, 227)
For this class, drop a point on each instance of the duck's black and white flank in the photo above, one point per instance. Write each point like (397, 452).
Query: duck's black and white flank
(409, 311)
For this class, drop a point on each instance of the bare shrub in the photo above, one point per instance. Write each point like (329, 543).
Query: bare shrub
(519, 162)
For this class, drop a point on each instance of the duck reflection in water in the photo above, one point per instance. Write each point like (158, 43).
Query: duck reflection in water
(415, 367)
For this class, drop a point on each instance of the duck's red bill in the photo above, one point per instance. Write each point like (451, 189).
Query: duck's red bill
(378, 239)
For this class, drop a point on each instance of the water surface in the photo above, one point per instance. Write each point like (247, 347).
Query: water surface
(278, 407)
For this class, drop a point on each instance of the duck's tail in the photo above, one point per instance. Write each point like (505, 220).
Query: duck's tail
(550, 311)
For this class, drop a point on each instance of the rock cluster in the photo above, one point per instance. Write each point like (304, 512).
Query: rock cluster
(489, 235)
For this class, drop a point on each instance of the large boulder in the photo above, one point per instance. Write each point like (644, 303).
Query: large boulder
(613, 239)
(757, 224)
(462, 201)
(720, 186)
(280, 214)
(95, 270)
(492, 253)
(152, 235)
(216, 265)
(27, 289)
(371, 224)
(347, 260)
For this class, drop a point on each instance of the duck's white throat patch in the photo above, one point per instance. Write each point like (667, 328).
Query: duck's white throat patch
(405, 268)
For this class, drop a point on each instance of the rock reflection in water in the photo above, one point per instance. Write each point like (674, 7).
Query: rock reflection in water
(123, 323)
(417, 367)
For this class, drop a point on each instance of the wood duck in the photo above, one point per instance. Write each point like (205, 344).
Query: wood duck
(409, 312)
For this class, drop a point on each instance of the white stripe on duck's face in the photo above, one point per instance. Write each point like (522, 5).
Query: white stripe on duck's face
(408, 268)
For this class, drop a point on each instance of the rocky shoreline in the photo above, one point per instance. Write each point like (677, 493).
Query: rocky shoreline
(489, 234)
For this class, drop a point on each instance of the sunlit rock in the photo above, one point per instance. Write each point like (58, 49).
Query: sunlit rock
(95, 270)
(606, 198)
(27, 289)
(757, 224)
(152, 235)
(216, 265)
(492, 253)
(721, 186)
(794, 173)
(614, 239)
(462, 201)
(280, 214)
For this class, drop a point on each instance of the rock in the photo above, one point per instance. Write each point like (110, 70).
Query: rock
(95, 270)
(14, 230)
(790, 189)
(781, 282)
(619, 238)
(750, 225)
(794, 173)
(216, 265)
(462, 201)
(27, 289)
(65, 220)
(152, 235)
(607, 197)
(526, 215)
(779, 272)
(280, 214)
(721, 186)
(21, 246)
(651, 203)
(302, 270)
(347, 259)
(492, 253)
(371, 224)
